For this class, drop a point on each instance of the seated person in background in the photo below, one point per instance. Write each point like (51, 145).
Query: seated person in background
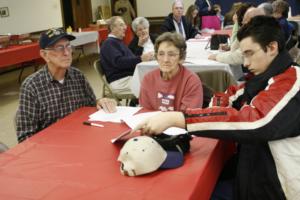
(234, 55)
(261, 115)
(268, 8)
(117, 60)
(280, 12)
(54, 91)
(125, 10)
(176, 22)
(218, 10)
(143, 42)
(228, 18)
(205, 7)
(171, 86)
(192, 17)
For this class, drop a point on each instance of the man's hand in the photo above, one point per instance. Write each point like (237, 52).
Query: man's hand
(108, 105)
(158, 123)
(147, 56)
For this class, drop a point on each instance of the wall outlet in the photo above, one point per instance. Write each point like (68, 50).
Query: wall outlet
(4, 12)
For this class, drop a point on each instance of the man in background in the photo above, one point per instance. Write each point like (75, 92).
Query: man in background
(117, 60)
(176, 22)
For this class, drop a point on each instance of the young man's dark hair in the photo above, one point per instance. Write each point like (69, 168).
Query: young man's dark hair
(263, 35)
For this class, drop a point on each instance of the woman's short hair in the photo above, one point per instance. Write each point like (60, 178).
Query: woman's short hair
(139, 21)
(176, 39)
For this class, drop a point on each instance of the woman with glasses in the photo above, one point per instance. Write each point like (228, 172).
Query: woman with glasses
(171, 86)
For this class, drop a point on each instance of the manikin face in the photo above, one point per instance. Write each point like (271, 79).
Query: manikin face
(168, 59)
(141, 155)
(255, 58)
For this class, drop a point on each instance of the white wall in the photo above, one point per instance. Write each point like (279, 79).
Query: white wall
(27, 16)
(158, 8)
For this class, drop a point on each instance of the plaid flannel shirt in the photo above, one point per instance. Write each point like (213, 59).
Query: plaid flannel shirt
(44, 100)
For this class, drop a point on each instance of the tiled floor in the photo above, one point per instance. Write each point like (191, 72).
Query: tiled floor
(9, 96)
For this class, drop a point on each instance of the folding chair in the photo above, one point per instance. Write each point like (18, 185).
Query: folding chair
(106, 89)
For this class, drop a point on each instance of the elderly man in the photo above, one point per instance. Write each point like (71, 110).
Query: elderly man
(176, 22)
(117, 60)
(56, 90)
(261, 115)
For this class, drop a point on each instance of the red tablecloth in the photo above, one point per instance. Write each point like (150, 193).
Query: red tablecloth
(17, 54)
(69, 160)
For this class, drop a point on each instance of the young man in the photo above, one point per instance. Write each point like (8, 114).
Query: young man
(262, 115)
(176, 22)
(56, 90)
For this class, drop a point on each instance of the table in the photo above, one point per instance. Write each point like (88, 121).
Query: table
(16, 54)
(196, 61)
(24, 54)
(69, 160)
(87, 40)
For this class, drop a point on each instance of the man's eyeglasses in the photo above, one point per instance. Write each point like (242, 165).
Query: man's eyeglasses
(60, 48)
(169, 54)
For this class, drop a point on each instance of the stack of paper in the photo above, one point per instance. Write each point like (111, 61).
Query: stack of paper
(122, 112)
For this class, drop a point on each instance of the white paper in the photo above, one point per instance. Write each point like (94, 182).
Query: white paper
(134, 120)
(122, 112)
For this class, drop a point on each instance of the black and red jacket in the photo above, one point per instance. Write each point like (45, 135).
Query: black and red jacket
(263, 116)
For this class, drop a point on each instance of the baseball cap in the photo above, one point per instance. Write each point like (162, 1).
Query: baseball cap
(51, 36)
(142, 154)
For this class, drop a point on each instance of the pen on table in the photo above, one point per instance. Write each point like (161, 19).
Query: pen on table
(93, 124)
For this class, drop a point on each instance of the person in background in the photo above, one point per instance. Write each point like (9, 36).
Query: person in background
(234, 55)
(280, 12)
(171, 86)
(262, 116)
(176, 22)
(117, 60)
(56, 90)
(218, 10)
(192, 16)
(268, 8)
(125, 10)
(205, 7)
(228, 18)
(143, 41)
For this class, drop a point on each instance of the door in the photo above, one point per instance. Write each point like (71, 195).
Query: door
(82, 13)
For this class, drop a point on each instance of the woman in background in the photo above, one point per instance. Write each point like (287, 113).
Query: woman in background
(171, 87)
(192, 16)
(143, 41)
